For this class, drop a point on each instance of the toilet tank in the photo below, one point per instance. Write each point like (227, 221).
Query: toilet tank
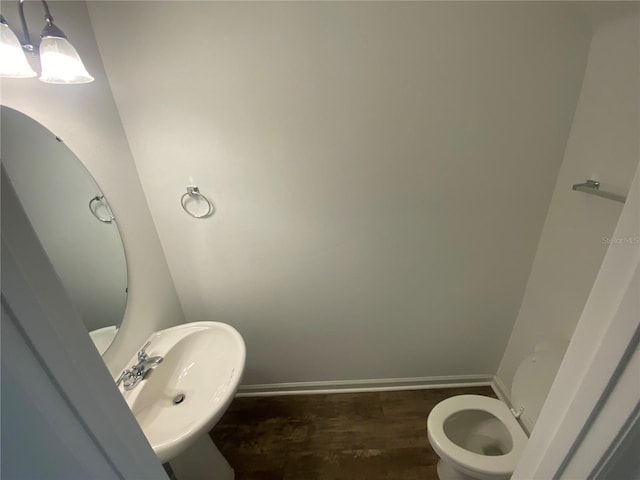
(532, 382)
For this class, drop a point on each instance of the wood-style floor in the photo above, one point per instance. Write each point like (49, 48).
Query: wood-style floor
(372, 436)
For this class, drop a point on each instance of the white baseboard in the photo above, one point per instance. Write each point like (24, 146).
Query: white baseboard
(357, 386)
(500, 390)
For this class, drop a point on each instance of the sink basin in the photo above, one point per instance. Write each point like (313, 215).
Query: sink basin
(183, 397)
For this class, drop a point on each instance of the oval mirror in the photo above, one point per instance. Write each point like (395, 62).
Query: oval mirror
(72, 220)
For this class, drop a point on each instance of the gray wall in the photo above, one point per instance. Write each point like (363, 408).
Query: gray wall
(381, 170)
(35, 444)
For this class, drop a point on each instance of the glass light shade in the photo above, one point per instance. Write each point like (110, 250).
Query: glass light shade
(13, 62)
(61, 63)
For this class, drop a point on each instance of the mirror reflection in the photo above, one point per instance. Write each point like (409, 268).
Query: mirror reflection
(72, 220)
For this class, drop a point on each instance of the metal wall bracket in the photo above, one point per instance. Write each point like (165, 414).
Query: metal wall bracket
(517, 413)
(593, 187)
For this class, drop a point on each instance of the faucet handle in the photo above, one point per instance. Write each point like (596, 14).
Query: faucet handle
(122, 376)
(142, 354)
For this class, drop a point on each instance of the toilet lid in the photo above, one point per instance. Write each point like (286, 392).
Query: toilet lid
(532, 382)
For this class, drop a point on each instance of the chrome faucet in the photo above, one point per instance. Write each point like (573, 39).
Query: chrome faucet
(134, 375)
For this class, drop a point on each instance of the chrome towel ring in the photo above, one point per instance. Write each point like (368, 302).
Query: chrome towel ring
(92, 209)
(193, 193)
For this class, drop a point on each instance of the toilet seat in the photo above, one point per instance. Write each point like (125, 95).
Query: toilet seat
(501, 465)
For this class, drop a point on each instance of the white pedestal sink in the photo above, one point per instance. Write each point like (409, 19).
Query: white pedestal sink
(179, 401)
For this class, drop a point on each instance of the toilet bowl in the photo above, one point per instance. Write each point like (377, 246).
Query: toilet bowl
(478, 437)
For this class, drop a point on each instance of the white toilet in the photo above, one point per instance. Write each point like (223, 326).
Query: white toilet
(479, 437)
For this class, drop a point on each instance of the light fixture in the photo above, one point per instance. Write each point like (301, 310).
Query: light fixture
(60, 62)
(13, 63)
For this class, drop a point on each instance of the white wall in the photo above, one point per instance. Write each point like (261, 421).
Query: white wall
(85, 116)
(381, 170)
(603, 145)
